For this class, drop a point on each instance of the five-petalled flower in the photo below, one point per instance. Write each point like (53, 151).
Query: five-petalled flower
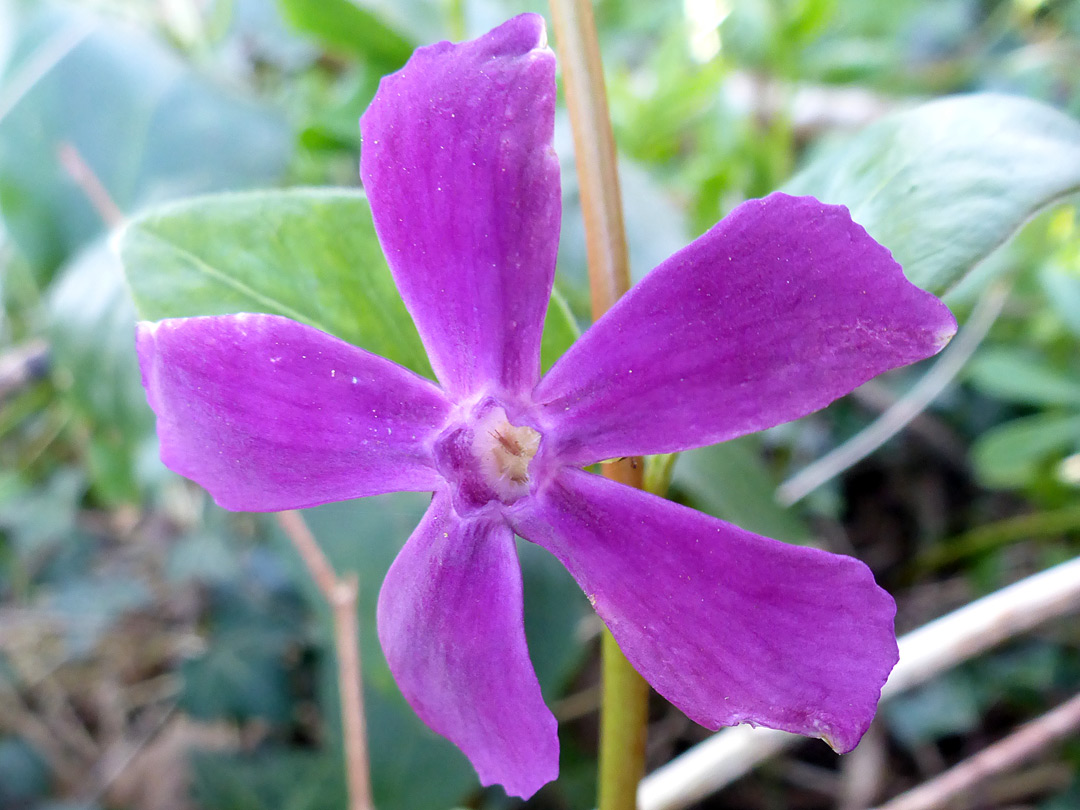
(775, 312)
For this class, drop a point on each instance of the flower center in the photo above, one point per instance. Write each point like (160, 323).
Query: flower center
(486, 458)
(507, 450)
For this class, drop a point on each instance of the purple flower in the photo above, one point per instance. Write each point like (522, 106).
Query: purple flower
(778, 310)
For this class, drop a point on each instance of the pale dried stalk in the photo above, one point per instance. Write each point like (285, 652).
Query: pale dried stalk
(44, 58)
(594, 152)
(924, 653)
(342, 596)
(1020, 746)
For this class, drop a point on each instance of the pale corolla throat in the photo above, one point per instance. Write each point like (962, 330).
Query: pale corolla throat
(487, 459)
(505, 451)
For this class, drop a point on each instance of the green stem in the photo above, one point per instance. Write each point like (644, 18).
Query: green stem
(624, 715)
(457, 19)
(658, 470)
(625, 693)
(624, 706)
(992, 536)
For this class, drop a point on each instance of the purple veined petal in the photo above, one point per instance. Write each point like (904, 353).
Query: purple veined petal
(269, 414)
(729, 626)
(458, 163)
(781, 308)
(451, 626)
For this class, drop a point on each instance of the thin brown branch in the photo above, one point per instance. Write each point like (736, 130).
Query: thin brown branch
(16, 716)
(1020, 746)
(307, 546)
(342, 595)
(90, 184)
(351, 688)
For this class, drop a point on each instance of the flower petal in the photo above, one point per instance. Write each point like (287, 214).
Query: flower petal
(777, 311)
(458, 163)
(729, 626)
(451, 625)
(270, 414)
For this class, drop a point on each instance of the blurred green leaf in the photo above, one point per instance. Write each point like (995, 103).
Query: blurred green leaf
(278, 779)
(1016, 375)
(426, 22)
(730, 481)
(240, 677)
(24, 775)
(1010, 454)
(243, 672)
(560, 331)
(138, 118)
(91, 326)
(1062, 288)
(347, 27)
(948, 705)
(203, 557)
(40, 518)
(309, 254)
(88, 606)
(944, 184)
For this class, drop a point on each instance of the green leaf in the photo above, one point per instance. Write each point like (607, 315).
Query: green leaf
(141, 120)
(1061, 285)
(730, 481)
(88, 606)
(944, 184)
(1010, 455)
(37, 520)
(244, 671)
(560, 331)
(347, 27)
(948, 705)
(203, 557)
(308, 254)
(277, 778)
(24, 776)
(90, 319)
(1016, 375)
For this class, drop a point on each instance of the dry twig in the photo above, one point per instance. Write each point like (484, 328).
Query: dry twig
(90, 184)
(342, 595)
(21, 365)
(1020, 746)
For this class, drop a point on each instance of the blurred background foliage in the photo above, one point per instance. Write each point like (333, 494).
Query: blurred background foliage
(157, 652)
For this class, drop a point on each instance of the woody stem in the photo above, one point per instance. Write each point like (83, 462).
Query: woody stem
(624, 707)
(342, 594)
